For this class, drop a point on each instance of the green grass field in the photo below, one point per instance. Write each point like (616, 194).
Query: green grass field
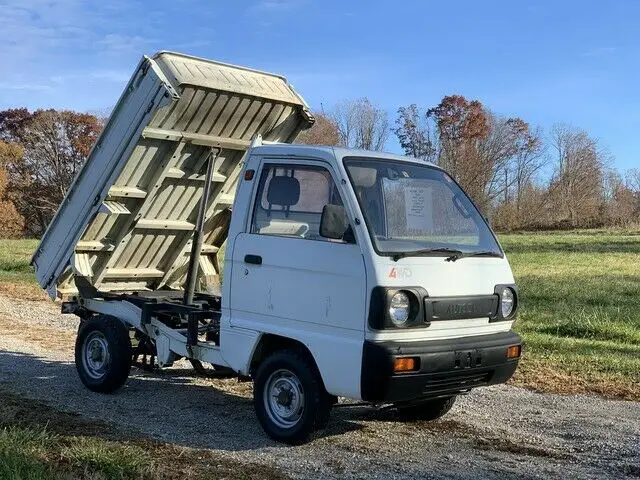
(14, 260)
(579, 314)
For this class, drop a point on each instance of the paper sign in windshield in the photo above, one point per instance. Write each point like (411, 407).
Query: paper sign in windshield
(418, 208)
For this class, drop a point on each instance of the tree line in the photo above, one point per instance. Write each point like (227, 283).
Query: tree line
(519, 176)
(40, 154)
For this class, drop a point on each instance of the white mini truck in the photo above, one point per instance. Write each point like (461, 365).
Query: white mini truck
(346, 273)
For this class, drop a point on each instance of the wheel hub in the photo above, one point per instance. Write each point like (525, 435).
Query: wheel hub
(284, 398)
(96, 355)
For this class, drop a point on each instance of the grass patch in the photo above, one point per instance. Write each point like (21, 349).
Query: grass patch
(20, 457)
(17, 277)
(36, 453)
(38, 442)
(15, 256)
(580, 310)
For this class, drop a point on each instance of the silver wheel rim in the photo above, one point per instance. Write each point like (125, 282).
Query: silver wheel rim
(95, 357)
(284, 398)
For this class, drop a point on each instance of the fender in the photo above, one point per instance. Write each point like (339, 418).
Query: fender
(338, 358)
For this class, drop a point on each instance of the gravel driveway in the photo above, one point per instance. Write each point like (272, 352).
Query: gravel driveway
(495, 432)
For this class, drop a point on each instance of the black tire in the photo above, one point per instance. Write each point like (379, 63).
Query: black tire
(293, 371)
(323, 419)
(427, 410)
(103, 354)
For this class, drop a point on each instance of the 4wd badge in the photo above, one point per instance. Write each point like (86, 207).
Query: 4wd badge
(400, 272)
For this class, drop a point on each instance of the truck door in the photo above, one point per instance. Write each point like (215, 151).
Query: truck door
(288, 280)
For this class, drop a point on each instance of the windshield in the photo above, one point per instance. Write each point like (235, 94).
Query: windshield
(410, 207)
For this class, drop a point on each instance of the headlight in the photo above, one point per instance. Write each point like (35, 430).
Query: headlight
(507, 302)
(399, 309)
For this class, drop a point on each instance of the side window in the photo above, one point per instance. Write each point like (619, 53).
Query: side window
(290, 200)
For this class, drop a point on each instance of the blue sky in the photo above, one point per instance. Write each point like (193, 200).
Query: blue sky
(568, 61)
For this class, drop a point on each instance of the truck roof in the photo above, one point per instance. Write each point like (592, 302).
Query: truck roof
(331, 153)
(127, 220)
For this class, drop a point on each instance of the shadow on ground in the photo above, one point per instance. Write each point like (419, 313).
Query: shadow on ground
(170, 404)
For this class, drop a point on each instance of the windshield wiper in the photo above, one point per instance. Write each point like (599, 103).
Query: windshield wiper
(458, 256)
(426, 251)
(455, 254)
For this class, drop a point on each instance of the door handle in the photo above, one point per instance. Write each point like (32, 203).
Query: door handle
(254, 259)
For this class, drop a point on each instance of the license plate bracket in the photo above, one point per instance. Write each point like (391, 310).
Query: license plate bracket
(467, 359)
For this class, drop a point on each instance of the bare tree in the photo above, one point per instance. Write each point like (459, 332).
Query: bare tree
(323, 132)
(632, 179)
(492, 169)
(416, 134)
(577, 183)
(632, 182)
(619, 200)
(528, 159)
(361, 125)
(611, 182)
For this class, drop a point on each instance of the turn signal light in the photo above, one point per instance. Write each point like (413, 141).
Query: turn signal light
(248, 175)
(513, 351)
(405, 364)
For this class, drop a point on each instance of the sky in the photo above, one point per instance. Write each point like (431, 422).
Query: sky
(547, 62)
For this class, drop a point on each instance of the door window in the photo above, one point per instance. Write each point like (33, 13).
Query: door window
(290, 200)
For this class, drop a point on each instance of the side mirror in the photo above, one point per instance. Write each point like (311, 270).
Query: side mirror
(334, 222)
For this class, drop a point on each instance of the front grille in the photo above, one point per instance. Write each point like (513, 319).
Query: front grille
(457, 308)
(455, 382)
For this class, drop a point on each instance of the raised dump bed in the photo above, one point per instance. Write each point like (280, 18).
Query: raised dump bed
(127, 221)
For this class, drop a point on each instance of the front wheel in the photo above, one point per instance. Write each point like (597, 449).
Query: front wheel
(103, 354)
(289, 397)
(427, 410)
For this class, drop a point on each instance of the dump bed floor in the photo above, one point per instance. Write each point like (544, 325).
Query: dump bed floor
(127, 222)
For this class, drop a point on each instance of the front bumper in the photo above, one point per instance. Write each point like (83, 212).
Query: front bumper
(447, 367)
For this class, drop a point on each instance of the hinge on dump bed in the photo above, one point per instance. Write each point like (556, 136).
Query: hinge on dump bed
(143, 72)
(85, 289)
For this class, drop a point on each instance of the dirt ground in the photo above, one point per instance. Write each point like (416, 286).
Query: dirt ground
(495, 432)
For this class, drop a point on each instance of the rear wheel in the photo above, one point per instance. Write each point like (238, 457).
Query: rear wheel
(103, 354)
(289, 397)
(427, 410)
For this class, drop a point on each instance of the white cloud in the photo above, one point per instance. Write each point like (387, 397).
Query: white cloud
(46, 44)
(33, 29)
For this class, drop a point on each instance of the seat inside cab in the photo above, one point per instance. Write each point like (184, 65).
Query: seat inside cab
(291, 199)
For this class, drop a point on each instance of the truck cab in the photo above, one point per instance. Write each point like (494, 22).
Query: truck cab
(345, 273)
(379, 267)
